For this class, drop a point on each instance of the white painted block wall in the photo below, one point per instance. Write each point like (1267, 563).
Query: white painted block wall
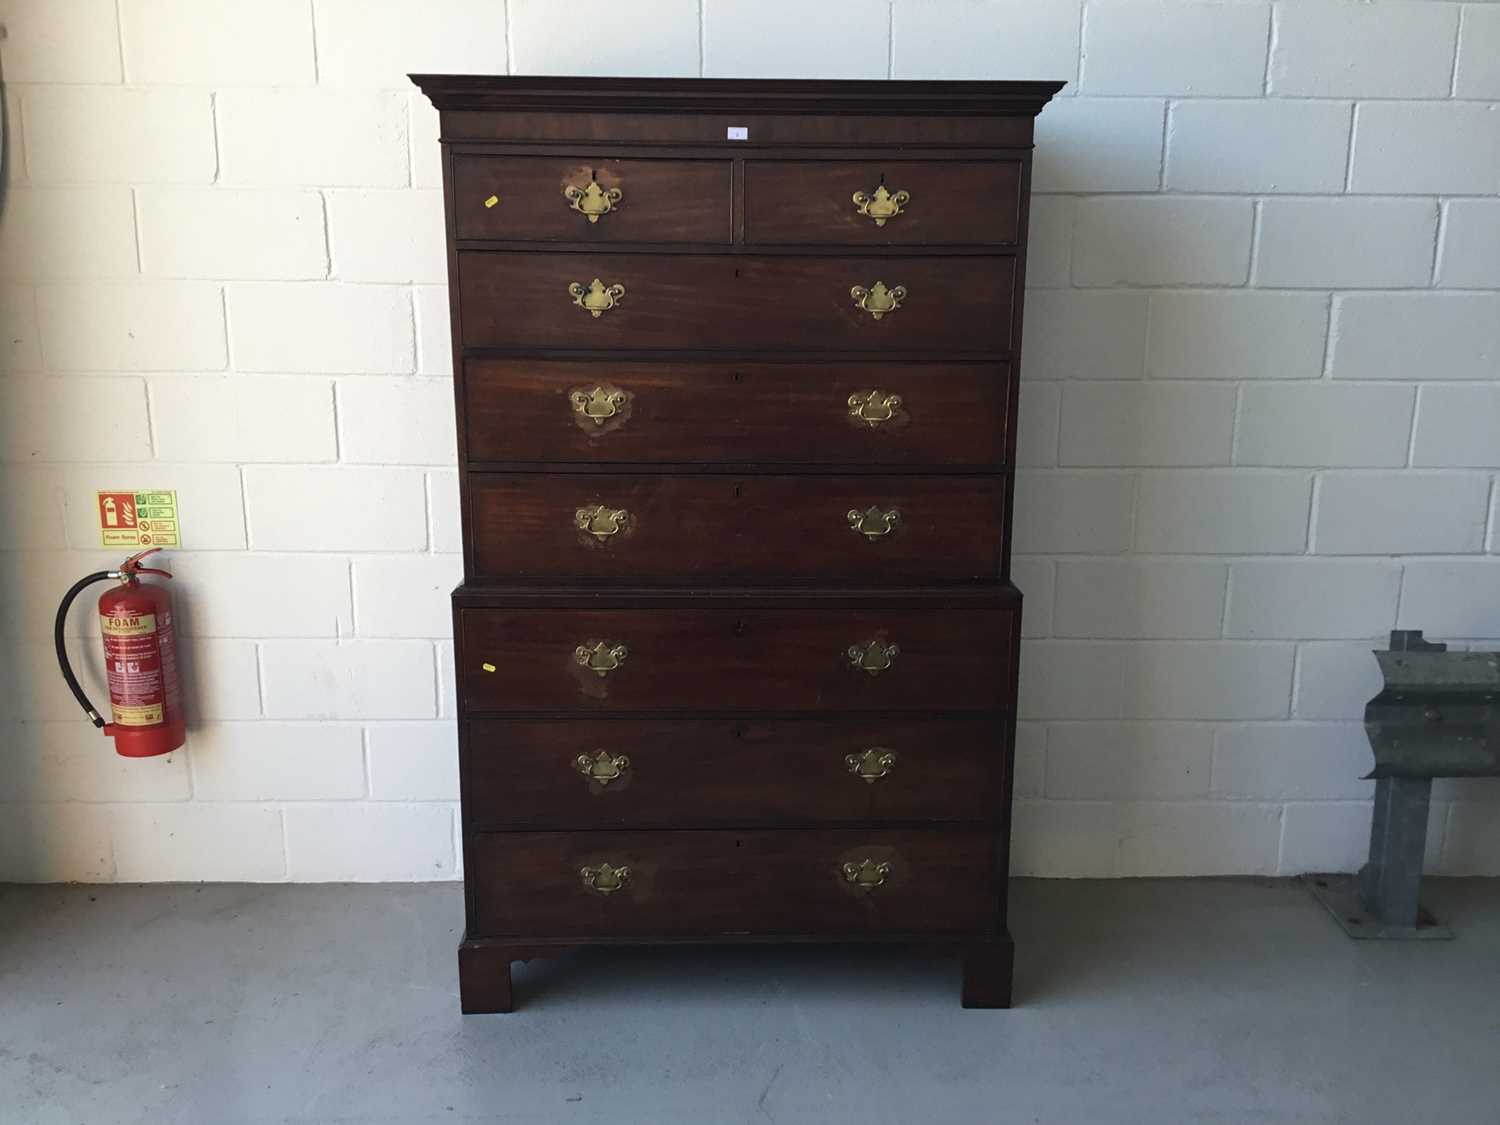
(1260, 405)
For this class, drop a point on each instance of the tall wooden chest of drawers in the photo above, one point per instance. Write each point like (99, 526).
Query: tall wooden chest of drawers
(736, 646)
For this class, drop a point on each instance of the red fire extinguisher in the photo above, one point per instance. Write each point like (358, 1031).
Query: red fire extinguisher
(140, 657)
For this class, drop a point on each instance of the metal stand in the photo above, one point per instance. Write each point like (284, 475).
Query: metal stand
(1381, 902)
(1436, 717)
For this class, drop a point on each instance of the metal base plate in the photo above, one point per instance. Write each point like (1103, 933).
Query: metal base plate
(1340, 895)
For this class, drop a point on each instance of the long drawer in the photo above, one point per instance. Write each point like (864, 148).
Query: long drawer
(882, 202)
(726, 659)
(624, 772)
(874, 528)
(591, 199)
(550, 410)
(714, 882)
(729, 302)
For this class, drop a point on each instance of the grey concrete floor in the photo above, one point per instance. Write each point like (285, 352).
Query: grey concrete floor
(1139, 1001)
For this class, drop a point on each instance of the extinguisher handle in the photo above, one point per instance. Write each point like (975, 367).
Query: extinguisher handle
(132, 566)
(58, 627)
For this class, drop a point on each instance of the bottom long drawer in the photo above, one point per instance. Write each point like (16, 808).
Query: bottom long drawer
(563, 884)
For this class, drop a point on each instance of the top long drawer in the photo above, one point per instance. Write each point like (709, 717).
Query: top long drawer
(735, 302)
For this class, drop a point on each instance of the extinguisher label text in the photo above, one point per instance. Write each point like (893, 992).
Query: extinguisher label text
(136, 625)
(133, 657)
(148, 716)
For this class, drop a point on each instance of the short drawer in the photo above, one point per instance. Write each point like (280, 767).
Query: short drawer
(558, 884)
(725, 659)
(882, 202)
(624, 772)
(872, 529)
(582, 199)
(834, 413)
(589, 300)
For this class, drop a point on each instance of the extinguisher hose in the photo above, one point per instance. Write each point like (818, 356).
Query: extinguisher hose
(57, 636)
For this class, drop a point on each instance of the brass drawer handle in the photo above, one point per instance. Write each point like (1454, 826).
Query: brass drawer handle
(601, 657)
(866, 874)
(593, 201)
(603, 767)
(872, 523)
(604, 877)
(599, 521)
(596, 297)
(881, 205)
(871, 765)
(873, 407)
(877, 300)
(874, 657)
(599, 404)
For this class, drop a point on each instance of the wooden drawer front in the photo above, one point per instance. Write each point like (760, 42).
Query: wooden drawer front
(736, 660)
(754, 527)
(557, 410)
(812, 201)
(701, 301)
(593, 773)
(716, 882)
(657, 200)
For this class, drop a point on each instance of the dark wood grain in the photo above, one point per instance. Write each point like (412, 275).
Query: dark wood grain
(765, 130)
(663, 200)
(828, 101)
(726, 411)
(703, 772)
(719, 302)
(484, 979)
(715, 882)
(754, 527)
(810, 201)
(722, 659)
(967, 597)
(988, 970)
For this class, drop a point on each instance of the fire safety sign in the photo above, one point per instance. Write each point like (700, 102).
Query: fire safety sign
(139, 519)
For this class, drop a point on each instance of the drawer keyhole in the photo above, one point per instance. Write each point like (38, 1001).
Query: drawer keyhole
(739, 627)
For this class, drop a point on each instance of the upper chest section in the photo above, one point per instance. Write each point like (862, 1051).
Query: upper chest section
(753, 164)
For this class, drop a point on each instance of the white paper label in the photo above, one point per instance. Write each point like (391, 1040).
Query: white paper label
(739, 132)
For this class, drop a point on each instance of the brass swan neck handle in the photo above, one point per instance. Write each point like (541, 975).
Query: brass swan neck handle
(874, 657)
(871, 765)
(593, 201)
(596, 298)
(605, 878)
(601, 657)
(866, 874)
(878, 300)
(881, 205)
(603, 767)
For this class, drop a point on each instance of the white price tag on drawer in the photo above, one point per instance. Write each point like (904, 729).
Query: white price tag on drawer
(739, 132)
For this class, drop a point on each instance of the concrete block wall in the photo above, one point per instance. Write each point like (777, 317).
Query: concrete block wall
(1260, 405)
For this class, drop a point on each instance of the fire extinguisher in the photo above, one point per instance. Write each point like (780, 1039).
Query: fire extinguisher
(140, 657)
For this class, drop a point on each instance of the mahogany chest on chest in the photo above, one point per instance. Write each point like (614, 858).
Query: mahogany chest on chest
(735, 366)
